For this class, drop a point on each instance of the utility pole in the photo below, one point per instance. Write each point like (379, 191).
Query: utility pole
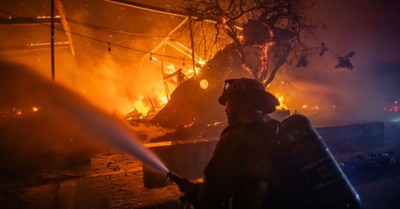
(52, 41)
(192, 43)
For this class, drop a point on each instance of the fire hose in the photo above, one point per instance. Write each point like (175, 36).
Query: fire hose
(191, 190)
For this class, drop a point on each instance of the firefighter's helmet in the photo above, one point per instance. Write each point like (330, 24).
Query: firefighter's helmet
(248, 89)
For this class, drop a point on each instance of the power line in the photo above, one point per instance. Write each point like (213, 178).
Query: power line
(92, 38)
(111, 30)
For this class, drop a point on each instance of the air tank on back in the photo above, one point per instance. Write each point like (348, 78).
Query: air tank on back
(320, 182)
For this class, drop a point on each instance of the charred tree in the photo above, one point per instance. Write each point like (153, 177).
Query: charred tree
(273, 30)
(265, 35)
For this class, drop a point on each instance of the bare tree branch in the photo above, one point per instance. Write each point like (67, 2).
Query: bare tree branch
(275, 25)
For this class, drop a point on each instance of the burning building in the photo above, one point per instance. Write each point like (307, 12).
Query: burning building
(163, 72)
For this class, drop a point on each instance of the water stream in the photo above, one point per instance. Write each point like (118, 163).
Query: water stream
(20, 85)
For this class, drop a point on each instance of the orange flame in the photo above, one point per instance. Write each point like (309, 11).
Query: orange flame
(282, 102)
(145, 106)
(35, 109)
(315, 107)
(141, 107)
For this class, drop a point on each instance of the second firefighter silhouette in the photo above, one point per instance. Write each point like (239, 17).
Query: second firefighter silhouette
(256, 166)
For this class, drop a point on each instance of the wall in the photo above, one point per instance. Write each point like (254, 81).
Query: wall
(189, 158)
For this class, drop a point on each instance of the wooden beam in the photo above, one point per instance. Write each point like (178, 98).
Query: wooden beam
(161, 10)
(28, 20)
(61, 11)
(147, 7)
(163, 41)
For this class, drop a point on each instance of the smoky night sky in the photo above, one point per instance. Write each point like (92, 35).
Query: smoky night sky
(370, 28)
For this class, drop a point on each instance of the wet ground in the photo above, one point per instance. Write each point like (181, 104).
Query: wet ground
(114, 180)
(111, 180)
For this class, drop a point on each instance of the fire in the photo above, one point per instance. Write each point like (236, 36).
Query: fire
(141, 107)
(145, 105)
(35, 109)
(282, 102)
(162, 100)
(173, 74)
(191, 72)
(201, 62)
(170, 69)
(18, 111)
(315, 107)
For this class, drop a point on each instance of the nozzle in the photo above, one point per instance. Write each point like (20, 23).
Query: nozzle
(182, 183)
(172, 176)
(175, 178)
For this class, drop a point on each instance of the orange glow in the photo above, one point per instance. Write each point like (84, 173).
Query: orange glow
(141, 107)
(204, 84)
(47, 44)
(241, 38)
(315, 107)
(18, 112)
(162, 100)
(170, 69)
(201, 62)
(145, 106)
(46, 17)
(264, 56)
(282, 102)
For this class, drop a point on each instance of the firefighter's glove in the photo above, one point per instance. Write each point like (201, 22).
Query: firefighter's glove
(190, 190)
(191, 193)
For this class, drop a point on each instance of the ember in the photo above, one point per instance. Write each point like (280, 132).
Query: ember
(310, 107)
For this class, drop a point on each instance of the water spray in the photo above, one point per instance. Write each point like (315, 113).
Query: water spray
(21, 83)
(76, 109)
(111, 131)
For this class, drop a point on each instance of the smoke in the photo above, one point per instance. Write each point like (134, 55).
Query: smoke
(109, 41)
(113, 85)
(110, 76)
(333, 96)
(343, 95)
(41, 119)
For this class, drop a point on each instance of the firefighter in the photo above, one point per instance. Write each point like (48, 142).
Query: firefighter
(263, 163)
(240, 172)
